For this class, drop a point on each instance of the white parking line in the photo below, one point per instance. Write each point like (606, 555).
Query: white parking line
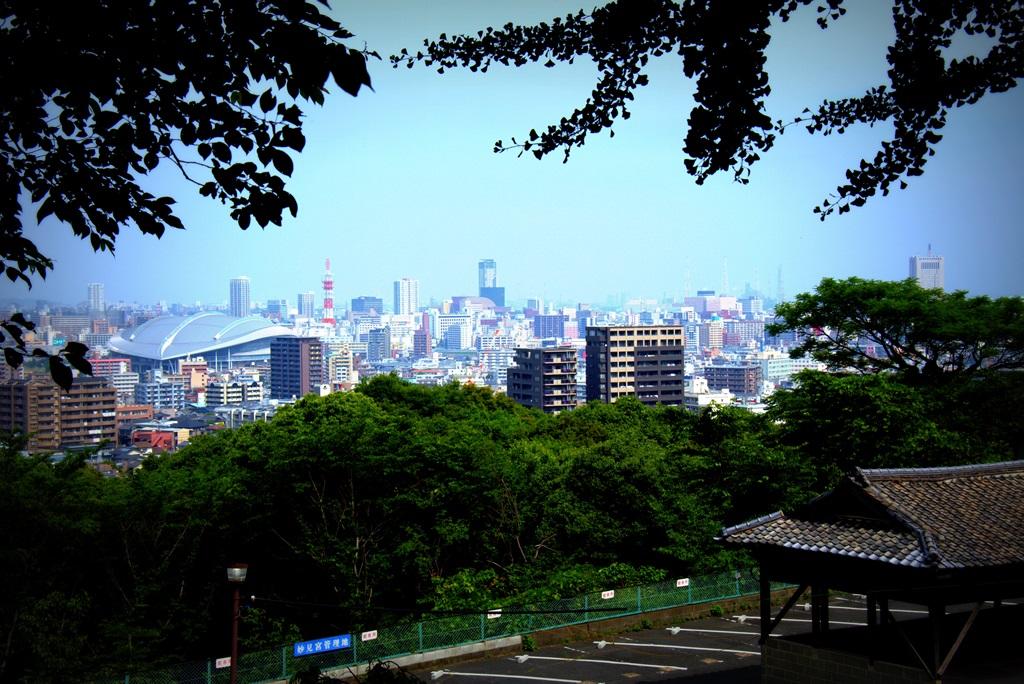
(744, 618)
(524, 658)
(676, 630)
(602, 644)
(891, 610)
(442, 673)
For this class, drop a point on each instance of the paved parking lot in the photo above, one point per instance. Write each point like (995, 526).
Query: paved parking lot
(710, 650)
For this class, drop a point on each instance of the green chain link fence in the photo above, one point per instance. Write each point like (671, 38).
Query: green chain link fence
(398, 640)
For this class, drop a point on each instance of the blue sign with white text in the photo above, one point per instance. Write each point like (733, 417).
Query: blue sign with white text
(323, 645)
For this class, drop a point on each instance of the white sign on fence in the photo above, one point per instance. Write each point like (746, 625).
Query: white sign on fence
(368, 636)
(610, 594)
(494, 614)
(222, 662)
(683, 582)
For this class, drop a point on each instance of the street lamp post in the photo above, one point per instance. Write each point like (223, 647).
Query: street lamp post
(236, 575)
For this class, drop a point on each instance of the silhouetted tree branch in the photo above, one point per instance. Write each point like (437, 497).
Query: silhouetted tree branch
(722, 46)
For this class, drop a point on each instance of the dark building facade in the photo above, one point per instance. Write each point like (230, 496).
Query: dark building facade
(645, 362)
(366, 304)
(296, 366)
(378, 344)
(544, 378)
(495, 294)
(738, 379)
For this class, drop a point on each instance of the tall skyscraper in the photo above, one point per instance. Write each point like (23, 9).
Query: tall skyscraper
(488, 273)
(643, 361)
(240, 303)
(296, 366)
(930, 271)
(407, 294)
(305, 304)
(97, 303)
(487, 277)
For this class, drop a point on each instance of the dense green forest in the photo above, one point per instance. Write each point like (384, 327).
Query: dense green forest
(366, 508)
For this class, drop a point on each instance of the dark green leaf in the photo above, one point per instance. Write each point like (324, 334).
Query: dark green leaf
(13, 357)
(61, 373)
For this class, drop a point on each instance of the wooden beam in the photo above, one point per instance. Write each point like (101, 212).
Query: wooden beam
(785, 609)
(959, 640)
(913, 649)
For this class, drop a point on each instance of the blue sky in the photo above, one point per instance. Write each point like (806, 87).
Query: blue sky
(403, 182)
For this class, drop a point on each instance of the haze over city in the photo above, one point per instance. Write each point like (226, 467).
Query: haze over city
(402, 181)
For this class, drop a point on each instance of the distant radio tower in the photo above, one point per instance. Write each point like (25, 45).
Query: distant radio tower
(780, 293)
(328, 296)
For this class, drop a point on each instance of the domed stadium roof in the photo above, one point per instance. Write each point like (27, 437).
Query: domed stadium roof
(172, 337)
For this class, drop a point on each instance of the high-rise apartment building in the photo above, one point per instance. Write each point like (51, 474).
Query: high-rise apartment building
(544, 378)
(240, 303)
(378, 344)
(740, 379)
(929, 271)
(32, 406)
(642, 361)
(421, 339)
(88, 413)
(549, 325)
(97, 301)
(305, 304)
(160, 394)
(233, 393)
(407, 294)
(296, 366)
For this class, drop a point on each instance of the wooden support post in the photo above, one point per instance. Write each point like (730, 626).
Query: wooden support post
(872, 627)
(766, 607)
(936, 613)
(819, 608)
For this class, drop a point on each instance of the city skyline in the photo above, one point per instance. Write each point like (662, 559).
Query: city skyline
(407, 170)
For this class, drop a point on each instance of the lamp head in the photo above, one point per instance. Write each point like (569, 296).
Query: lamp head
(237, 572)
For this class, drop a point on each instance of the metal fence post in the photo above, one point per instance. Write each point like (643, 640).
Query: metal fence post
(419, 631)
(209, 671)
(483, 627)
(586, 608)
(284, 662)
(689, 592)
(639, 606)
(355, 640)
(737, 582)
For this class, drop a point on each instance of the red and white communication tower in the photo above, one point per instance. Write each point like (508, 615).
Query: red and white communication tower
(328, 296)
